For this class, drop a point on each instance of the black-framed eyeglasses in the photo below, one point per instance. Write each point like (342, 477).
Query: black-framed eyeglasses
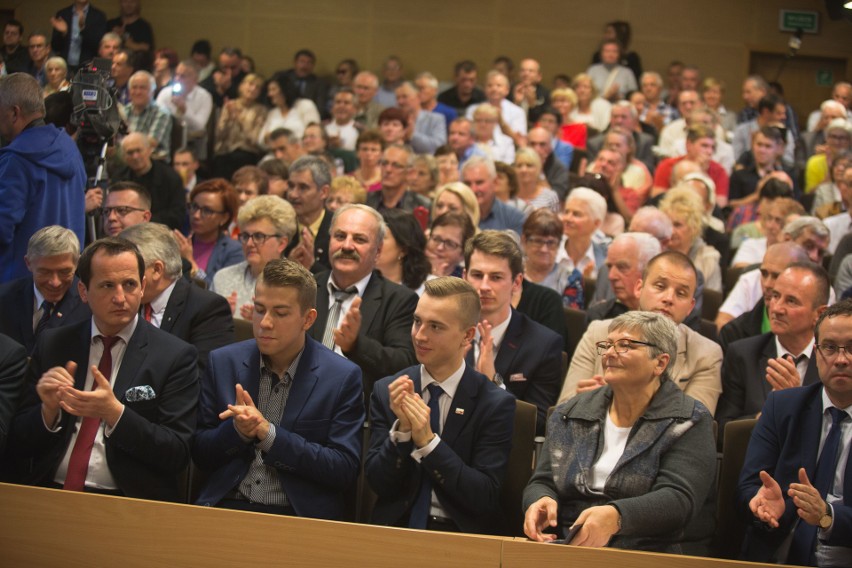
(830, 350)
(542, 242)
(258, 238)
(205, 211)
(446, 243)
(120, 210)
(621, 346)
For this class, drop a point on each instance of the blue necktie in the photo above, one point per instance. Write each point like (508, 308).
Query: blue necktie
(47, 313)
(422, 504)
(803, 546)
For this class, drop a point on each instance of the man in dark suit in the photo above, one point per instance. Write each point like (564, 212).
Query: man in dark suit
(111, 403)
(440, 432)
(624, 116)
(307, 84)
(785, 355)
(172, 303)
(13, 364)
(795, 483)
(297, 449)
(48, 299)
(516, 353)
(361, 315)
(307, 188)
(77, 32)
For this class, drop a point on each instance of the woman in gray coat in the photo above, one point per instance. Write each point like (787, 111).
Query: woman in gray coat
(632, 462)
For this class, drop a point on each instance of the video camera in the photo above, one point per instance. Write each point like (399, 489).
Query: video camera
(95, 110)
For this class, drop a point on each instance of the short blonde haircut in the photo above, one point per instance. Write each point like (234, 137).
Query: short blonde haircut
(584, 77)
(486, 109)
(530, 155)
(279, 212)
(564, 93)
(350, 185)
(468, 199)
(684, 202)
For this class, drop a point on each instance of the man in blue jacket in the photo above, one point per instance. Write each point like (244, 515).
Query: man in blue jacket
(42, 177)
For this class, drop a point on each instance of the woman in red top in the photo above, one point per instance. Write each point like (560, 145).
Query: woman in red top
(575, 133)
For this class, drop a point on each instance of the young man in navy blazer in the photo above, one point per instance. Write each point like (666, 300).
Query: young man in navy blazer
(796, 483)
(441, 472)
(280, 415)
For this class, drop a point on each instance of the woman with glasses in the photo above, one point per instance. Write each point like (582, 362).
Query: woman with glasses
(212, 205)
(627, 465)
(267, 223)
(445, 246)
(542, 234)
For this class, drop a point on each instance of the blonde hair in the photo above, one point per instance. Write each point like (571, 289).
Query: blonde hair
(683, 201)
(564, 93)
(465, 194)
(350, 185)
(279, 212)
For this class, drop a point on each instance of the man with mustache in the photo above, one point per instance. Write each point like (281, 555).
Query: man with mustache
(667, 287)
(361, 315)
(785, 356)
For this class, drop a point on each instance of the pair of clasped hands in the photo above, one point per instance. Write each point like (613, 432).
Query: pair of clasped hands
(56, 390)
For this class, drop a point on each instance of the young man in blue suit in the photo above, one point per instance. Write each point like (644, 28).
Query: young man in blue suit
(796, 482)
(440, 431)
(280, 416)
(516, 353)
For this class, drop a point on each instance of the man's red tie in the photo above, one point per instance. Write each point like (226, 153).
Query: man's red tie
(149, 312)
(78, 465)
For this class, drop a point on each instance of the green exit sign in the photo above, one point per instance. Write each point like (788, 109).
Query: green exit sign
(791, 20)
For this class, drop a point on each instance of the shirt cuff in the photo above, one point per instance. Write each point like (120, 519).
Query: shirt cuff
(107, 430)
(397, 437)
(56, 427)
(266, 444)
(245, 439)
(420, 453)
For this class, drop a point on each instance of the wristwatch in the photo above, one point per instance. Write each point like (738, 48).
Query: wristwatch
(825, 520)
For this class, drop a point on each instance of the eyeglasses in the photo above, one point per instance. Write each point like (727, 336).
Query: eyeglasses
(392, 165)
(258, 238)
(205, 211)
(447, 244)
(830, 351)
(621, 346)
(121, 210)
(542, 242)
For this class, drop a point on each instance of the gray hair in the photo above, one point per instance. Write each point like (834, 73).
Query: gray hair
(292, 137)
(56, 60)
(654, 328)
(594, 201)
(318, 167)
(22, 90)
(430, 78)
(380, 221)
(487, 163)
(627, 105)
(278, 211)
(53, 240)
(831, 103)
(653, 75)
(656, 223)
(152, 83)
(156, 242)
(648, 246)
(110, 36)
(795, 228)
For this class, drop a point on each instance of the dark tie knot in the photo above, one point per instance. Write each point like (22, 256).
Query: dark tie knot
(47, 307)
(108, 341)
(435, 391)
(837, 415)
(341, 295)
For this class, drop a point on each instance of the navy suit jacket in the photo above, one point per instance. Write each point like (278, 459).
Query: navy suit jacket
(13, 364)
(530, 362)
(226, 252)
(199, 317)
(317, 448)
(95, 29)
(17, 299)
(744, 384)
(149, 447)
(786, 438)
(467, 467)
(384, 340)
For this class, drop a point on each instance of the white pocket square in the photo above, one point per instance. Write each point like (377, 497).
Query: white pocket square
(140, 393)
(517, 378)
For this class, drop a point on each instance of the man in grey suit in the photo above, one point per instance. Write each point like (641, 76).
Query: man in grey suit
(426, 130)
(623, 115)
(785, 356)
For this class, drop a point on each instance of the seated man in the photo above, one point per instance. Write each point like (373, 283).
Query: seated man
(480, 175)
(425, 130)
(13, 366)
(48, 298)
(111, 401)
(147, 117)
(296, 450)
(513, 351)
(667, 287)
(172, 303)
(440, 432)
(700, 146)
(792, 482)
(361, 315)
(126, 204)
(513, 119)
(168, 197)
(489, 139)
(190, 103)
(395, 194)
(782, 358)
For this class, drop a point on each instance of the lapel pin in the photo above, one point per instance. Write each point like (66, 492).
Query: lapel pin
(460, 411)
(59, 314)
